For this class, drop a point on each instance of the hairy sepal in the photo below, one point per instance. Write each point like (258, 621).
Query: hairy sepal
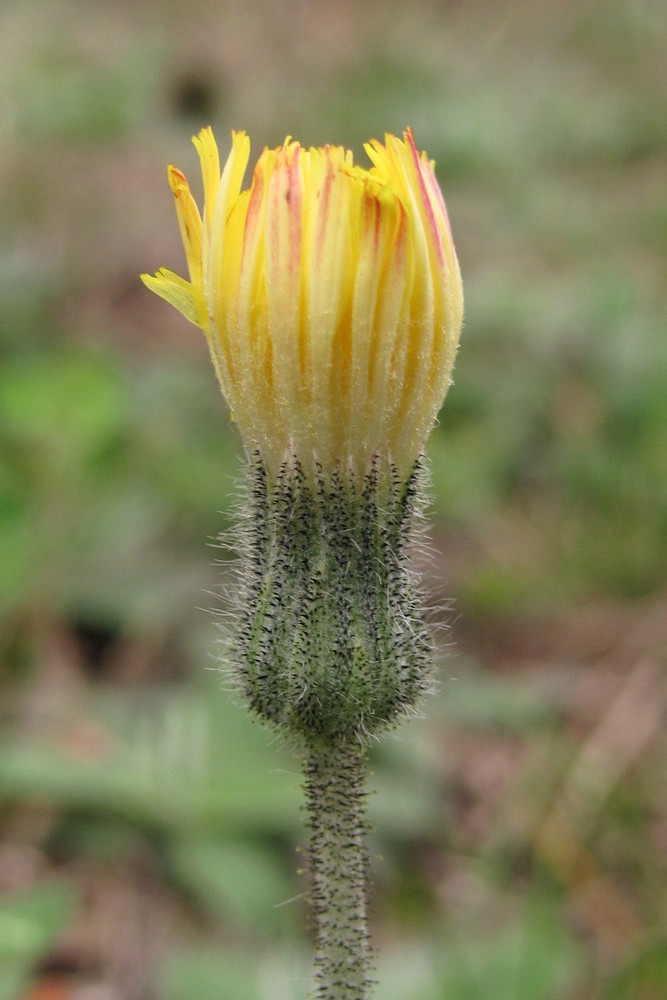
(330, 641)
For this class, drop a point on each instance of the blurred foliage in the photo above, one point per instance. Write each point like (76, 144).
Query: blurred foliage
(29, 922)
(148, 831)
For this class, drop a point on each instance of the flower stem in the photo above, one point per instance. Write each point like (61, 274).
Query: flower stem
(334, 785)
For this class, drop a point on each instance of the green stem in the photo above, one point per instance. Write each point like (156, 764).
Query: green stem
(334, 784)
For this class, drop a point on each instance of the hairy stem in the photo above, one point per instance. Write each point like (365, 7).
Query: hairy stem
(335, 800)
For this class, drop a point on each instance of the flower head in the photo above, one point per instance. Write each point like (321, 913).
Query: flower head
(330, 296)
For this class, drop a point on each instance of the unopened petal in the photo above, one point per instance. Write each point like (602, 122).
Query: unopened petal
(330, 294)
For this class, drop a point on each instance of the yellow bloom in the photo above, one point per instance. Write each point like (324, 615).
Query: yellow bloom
(330, 296)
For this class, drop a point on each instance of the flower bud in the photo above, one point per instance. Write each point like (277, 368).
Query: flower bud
(331, 299)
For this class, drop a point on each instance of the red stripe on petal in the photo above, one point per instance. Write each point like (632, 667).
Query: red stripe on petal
(253, 212)
(426, 196)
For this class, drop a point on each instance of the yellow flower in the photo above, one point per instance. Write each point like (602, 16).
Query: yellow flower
(330, 296)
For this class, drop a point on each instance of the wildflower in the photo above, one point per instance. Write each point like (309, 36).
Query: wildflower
(331, 299)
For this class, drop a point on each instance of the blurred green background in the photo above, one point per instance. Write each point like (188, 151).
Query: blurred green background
(149, 832)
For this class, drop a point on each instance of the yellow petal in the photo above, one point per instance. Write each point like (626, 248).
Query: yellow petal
(209, 159)
(177, 292)
(189, 221)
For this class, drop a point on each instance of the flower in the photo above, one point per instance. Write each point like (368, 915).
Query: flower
(330, 296)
